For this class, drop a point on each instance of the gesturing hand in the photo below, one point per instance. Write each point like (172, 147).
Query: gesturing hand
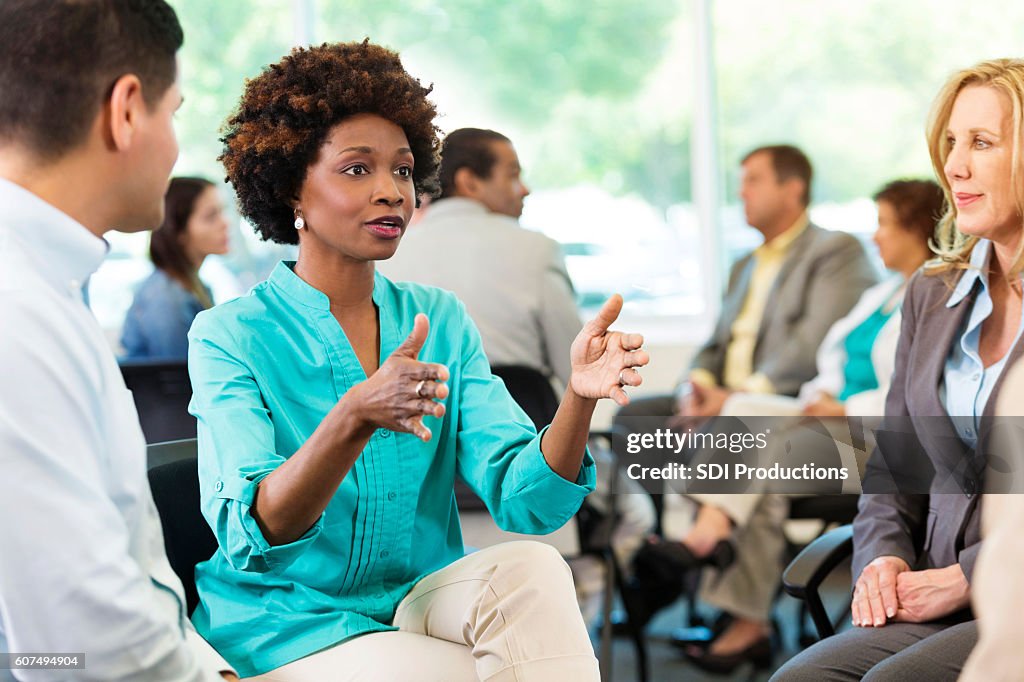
(603, 361)
(403, 390)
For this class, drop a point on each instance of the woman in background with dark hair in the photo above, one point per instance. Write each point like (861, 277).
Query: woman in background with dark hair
(168, 300)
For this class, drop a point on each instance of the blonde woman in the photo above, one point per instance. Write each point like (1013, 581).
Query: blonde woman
(915, 549)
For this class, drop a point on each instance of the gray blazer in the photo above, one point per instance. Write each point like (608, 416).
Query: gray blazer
(932, 516)
(823, 276)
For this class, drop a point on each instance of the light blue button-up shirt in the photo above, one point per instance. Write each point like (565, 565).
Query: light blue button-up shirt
(266, 369)
(82, 562)
(967, 383)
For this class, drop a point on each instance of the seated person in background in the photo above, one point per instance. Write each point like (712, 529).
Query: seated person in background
(333, 417)
(512, 280)
(82, 565)
(515, 287)
(811, 276)
(855, 360)
(854, 368)
(168, 300)
(916, 545)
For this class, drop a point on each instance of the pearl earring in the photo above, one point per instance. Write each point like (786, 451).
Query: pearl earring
(299, 222)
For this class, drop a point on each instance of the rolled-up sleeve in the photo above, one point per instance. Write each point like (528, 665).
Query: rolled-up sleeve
(499, 453)
(236, 452)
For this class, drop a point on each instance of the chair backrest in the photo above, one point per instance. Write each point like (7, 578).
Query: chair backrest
(162, 392)
(187, 538)
(171, 451)
(532, 390)
(833, 509)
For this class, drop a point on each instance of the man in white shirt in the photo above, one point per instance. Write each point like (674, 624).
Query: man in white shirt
(512, 280)
(86, 145)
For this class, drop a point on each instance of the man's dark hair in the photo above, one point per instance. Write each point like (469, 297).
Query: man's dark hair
(60, 58)
(467, 148)
(918, 204)
(788, 162)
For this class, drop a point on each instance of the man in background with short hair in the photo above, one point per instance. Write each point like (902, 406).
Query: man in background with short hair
(780, 301)
(512, 280)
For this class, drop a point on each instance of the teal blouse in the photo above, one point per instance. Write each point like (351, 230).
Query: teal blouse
(859, 371)
(266, 368)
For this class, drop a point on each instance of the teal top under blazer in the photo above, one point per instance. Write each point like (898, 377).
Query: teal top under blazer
(266, 369)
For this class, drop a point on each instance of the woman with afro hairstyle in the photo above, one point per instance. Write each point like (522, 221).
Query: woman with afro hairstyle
(336, 408)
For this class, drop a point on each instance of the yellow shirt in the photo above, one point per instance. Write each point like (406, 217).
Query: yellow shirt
(739, 374)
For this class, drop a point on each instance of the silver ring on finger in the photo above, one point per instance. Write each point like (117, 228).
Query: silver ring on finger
(419, 388)
(622, 379)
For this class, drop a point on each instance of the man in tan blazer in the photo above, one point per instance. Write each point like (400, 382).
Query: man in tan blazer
(781, 300)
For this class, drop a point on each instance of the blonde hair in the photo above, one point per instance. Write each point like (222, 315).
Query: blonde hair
(1007, 77)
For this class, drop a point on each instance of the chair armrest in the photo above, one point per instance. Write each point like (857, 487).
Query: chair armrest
(808, 570)
(813, 564)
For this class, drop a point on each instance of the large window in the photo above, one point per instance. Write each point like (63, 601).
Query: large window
(599, 99)
(592, 94)
(850, 83)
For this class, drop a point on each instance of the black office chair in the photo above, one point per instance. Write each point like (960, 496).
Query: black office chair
(804, 576)
(162, 391)
(187, 538)
(531, 390)
(832, 511)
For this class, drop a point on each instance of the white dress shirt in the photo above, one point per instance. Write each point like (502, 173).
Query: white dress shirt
(82, 562)
(966, 382)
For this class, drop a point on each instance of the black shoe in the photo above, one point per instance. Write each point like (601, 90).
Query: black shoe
(759, 653)
(659, 569)
(678, 559)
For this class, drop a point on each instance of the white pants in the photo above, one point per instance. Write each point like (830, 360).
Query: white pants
(507, 612)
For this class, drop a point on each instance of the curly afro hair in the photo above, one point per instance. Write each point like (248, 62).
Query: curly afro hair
(286, 112)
